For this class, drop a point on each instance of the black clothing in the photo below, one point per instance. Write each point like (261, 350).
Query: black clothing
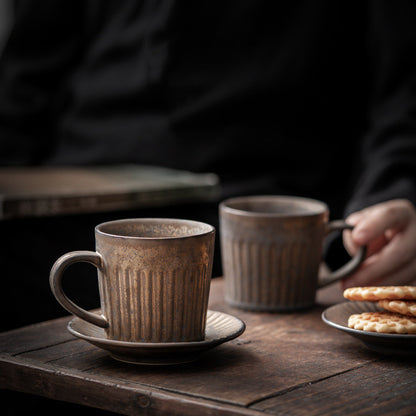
(275, 97)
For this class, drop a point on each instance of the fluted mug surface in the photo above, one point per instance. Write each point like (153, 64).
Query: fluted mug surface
(271, 249)
(154, 277)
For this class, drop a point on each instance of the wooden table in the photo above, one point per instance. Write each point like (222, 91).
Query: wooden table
(61, 190)
(283, 364)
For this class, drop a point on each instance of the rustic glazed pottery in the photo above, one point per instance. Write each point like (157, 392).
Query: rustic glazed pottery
(220, 328)
(271, 250)
(154, 277)
(391, 344)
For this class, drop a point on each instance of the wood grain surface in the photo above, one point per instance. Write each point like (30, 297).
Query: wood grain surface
(46, 191)
(283, 364)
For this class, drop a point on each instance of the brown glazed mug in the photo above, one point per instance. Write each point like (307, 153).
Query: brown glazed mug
(154, 277)
(271, 249)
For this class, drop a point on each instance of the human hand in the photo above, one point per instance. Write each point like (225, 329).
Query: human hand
(389, 231)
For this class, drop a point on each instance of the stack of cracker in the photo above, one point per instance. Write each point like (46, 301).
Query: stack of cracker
(399, 303)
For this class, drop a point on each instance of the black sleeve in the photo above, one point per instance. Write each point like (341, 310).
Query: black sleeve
(389, 148)
(43, 48)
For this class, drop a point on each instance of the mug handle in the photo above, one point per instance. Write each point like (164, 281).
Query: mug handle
(348, 268)
(55, 281)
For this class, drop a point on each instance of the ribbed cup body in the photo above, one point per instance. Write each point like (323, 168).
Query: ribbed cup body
(155, 289)
(271, 263)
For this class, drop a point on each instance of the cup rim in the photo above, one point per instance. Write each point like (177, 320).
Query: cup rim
(205, 228)
(320, 207)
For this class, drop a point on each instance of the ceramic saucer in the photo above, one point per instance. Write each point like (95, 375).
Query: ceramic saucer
(220, 328)
(397, 344)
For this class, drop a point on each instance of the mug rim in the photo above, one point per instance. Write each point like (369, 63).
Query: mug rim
(206, 228)
(320, 206)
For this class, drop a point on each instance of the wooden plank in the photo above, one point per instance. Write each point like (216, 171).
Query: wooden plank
(34, 337)
(267, 359)
(40, 191)
(105, 392)
(70, 348)
(381, 388)
(282, 363)
(276, 353)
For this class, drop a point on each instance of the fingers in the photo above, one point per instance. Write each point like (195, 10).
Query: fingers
(384, 268)
(349, 243)
(389, 230)
(366, 277)
(373, 246)
(375, 226)
(374, 221)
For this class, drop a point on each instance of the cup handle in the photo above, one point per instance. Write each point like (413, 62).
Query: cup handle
(347, 268)
(55, 281)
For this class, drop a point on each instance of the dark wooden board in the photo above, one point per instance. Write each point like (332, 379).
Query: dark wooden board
(375, 388)
(283, 364)
(45, 191)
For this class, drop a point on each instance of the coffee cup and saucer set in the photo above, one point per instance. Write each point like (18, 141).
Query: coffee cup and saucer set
(154, 276)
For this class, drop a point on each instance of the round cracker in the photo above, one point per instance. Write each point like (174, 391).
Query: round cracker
(375, 293)
(383, 322)
(404, 307)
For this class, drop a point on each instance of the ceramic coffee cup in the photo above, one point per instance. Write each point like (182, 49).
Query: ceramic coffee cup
(154, 277)
(271, 248)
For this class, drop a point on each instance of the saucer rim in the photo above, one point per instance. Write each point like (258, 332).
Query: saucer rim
(208, 341)
(362, 306)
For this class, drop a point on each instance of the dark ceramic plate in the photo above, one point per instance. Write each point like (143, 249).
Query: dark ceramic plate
(337, 317)
(220, 328)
